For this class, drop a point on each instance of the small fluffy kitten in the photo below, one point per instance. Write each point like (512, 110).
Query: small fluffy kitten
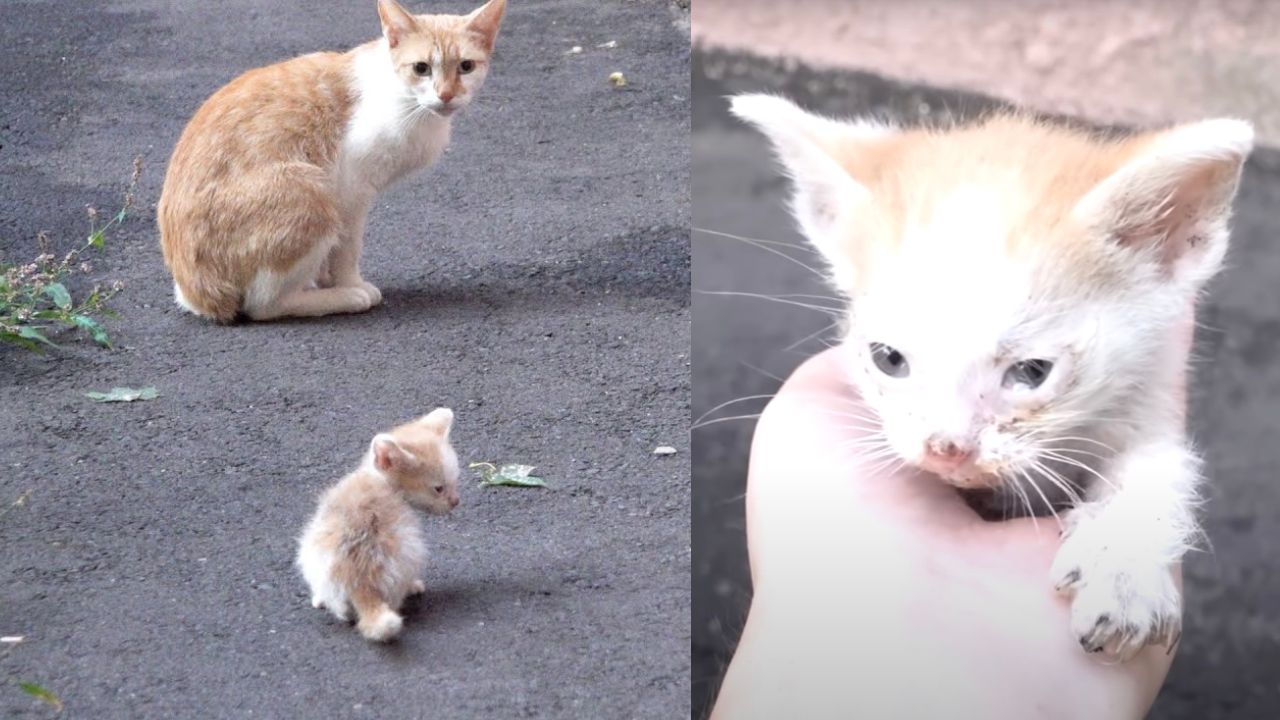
(265, 199)
(1015, 290)
(364, 547)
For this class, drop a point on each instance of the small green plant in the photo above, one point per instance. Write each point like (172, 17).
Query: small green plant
(34, 299)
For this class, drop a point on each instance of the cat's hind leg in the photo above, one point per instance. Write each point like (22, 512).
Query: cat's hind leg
(377, 621)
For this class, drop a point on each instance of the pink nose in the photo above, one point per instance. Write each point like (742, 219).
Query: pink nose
(446, 97)
(454, 500)
(947, 451)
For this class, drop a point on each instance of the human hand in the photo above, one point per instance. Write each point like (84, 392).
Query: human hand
(882, 594)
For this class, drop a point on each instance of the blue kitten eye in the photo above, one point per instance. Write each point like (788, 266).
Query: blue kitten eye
(1031, 373)
(889, 361)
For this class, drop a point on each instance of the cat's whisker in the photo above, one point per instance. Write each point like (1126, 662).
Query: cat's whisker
(1067, 487)
(727, 403)
(1076, 451)
(761, 245)
(784, 301)
(1082, 466)
(1026, 500)
(717, 421)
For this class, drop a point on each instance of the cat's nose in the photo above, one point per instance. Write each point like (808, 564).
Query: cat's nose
(947, 451)
(454, 500)
(445, 97)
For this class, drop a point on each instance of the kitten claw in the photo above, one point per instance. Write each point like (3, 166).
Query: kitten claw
(1120, 603)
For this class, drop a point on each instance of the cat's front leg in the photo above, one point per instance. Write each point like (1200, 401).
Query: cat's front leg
(343, 263)
(1117, 557)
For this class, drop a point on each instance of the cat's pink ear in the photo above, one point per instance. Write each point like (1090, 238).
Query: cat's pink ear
(484, 21)
(1172, 200)
(387, 453)
(396, 21)
(813, 149)
(440, 419)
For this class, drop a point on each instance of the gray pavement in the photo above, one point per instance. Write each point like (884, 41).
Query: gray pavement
(1229, 662)
(537, 281)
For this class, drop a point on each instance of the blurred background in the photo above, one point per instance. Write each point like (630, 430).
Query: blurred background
(1128, 64)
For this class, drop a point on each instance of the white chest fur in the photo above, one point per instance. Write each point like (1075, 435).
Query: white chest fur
(389, 135)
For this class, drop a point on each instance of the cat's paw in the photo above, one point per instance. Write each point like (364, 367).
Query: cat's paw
(417, 587)
(1121, 601)
(375, 295)
(354, 299)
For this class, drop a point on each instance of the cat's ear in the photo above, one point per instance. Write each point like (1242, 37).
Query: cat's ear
(811, 148)
(1172, 198)
(396, 21)
(440, 419)
(484, 21)
(387, 453)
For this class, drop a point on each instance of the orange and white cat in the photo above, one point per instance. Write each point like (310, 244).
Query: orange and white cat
(1016, 290)
(264, 203)
(363, 549)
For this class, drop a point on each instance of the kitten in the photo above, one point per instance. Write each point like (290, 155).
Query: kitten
(265, 199)
(364, 547)
(1015, 290)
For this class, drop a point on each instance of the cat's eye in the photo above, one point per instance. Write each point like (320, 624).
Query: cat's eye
(466, 66)
(422, 68)
(1031, 373)
(889, 361)
(439, 489)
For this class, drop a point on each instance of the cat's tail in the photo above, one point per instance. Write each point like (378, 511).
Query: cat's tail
(378, 622)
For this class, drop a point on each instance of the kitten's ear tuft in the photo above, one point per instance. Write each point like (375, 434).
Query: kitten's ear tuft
(811, 148)
(485, 20)
(396, 21)
(387, 453)
(1172, 199)
(440, 419)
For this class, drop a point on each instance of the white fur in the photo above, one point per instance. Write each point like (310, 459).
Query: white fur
(402, 573)
(824, 191)
(953, 300)
(182, 301)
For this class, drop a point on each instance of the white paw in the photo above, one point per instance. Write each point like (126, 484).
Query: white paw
(340, 611)
(356, 299)
(375, 295)
(418, 587)
(382, 628)
(1122, 601)
(317, 602)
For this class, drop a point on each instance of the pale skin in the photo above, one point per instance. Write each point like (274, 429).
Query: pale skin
(881, 594)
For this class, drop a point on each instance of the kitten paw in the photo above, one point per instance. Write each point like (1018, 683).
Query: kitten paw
(1121, 602)
(417, 587)
(382, 627)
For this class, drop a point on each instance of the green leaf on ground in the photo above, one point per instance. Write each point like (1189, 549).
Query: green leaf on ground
(31, 333)
(96, 239)
(513, 475)
(124, 394)
(41, 694)
(96, 331)
(57, 292)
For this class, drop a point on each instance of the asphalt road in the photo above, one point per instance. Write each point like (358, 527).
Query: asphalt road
(1228, 664)
(536, 281)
